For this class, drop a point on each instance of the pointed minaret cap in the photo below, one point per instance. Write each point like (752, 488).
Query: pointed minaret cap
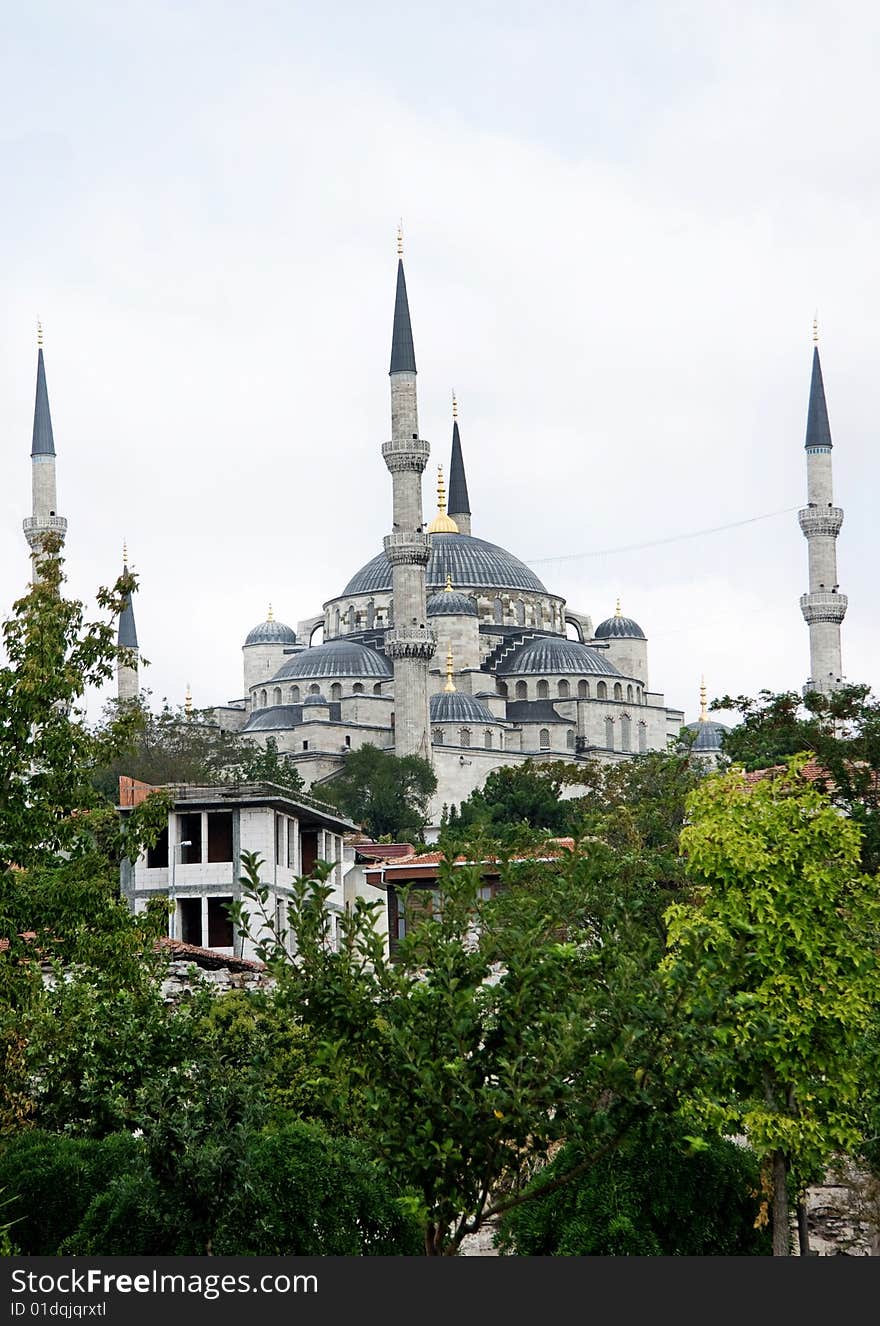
(450, 684)
(126, 635)
(818, 427)
(403, 355)
(43, 443)
(459, 502)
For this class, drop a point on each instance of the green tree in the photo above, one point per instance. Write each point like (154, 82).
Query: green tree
(513, 796)
(779, 949)
(386, 794)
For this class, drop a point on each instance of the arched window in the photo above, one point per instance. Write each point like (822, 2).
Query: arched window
(276, 695)
(522, 690)
(618, 691)
(609, 733)
(498, 611)
(314, 688)
(349, 617)
(544, 738)
(625, 737)
(335, 692)
(336, 622)
(563, 688)
(638, 695)
(543, 690)
(464, 737)
(438, 736)
(520, 613)
(629, 695)
(487, 739)
(583, 690)
(293, 695)
(643, 738)
(502, 688)
(371, 615)
(501, 741)
(601, 691)
(358, 688)
(264, 699)
(377, 689)
(569, 738)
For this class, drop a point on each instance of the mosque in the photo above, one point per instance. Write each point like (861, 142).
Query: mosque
(446, 646)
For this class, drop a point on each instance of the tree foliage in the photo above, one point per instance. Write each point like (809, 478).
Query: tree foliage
(386, 794)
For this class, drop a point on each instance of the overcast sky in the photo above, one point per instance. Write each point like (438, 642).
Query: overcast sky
(619, 221)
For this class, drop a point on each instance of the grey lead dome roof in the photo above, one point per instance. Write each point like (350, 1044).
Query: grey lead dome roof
(555, 653)
(456, 707)
(472, 564)
(271, 633)
(708, 736)
(336, 658)
(449, 603)
(619, 628)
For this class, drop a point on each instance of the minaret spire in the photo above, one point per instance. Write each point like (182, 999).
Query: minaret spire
(459, 504)
(127, 675)
(44, 518)
(408, 643)
(823, 607)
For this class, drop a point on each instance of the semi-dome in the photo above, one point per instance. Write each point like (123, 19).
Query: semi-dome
(277, 717)
(554, 654)
(471, 563)
(451, 603)
(336, 658)
(457, 707)
(271, 632)
(619, 627)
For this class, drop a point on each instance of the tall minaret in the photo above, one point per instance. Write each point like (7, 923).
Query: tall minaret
(127, 678)
(459, 506)
(823, 607)
(45, 519)
(409, 643)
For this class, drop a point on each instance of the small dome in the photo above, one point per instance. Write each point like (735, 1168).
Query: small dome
(708, 735)
(619, 628)
(555, 654)
(336, 658)
(317, 698)
(451, 603)
(271, 632)
(457, 707)
(278, 717)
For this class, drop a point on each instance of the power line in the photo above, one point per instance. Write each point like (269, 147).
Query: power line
(655, 543)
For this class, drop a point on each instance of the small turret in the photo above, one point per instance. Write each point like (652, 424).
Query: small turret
(127, 673)
(44, 519)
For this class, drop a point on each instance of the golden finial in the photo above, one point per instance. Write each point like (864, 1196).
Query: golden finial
(703, 710)
(124, 553)
(39, 334)
(450, 684)
(454, 405)
(816, 328)
(271, 616)
(188, 702)
(442, 524)
(447, 588)
(400, 239)
(617, 611)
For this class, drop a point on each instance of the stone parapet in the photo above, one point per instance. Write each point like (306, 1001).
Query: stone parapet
(410, 642)
(824, 521)
(823, 607)
(406, 454)
(407, 549)
(37, 527)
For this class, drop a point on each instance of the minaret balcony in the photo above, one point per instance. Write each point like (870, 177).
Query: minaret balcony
(410, 642)
(411, 548)
(403, 455)
(823, 607)
(37, 527)
(820, 520)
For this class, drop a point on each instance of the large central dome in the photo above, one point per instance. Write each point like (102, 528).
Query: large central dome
(471, 563)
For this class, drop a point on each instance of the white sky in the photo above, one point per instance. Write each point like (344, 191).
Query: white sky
(619, 217)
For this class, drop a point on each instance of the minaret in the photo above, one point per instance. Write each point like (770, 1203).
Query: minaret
(823, 607)
(459, 504)
(45, 519)
(127, 678)
(409, 643)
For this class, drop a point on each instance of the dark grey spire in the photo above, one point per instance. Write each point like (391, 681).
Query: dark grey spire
(43, 443)
(127, 635)
(459, 503)
(403, 356)
(818, 428)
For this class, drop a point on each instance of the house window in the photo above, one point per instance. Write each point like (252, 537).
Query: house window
(291, 844)
(487, 740)
(190, 830)
(625, 738)
(521, 690)
(464, 737)
(609, 733)
(157, 855)
(191, 921)
(583, 690)
(220, 836)
(601, 691)
(219, 923)
(543, 690)
(544, 738)
(563, 690)
(643, 738)
(438, 736)
(618, 691)
(279, 840)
